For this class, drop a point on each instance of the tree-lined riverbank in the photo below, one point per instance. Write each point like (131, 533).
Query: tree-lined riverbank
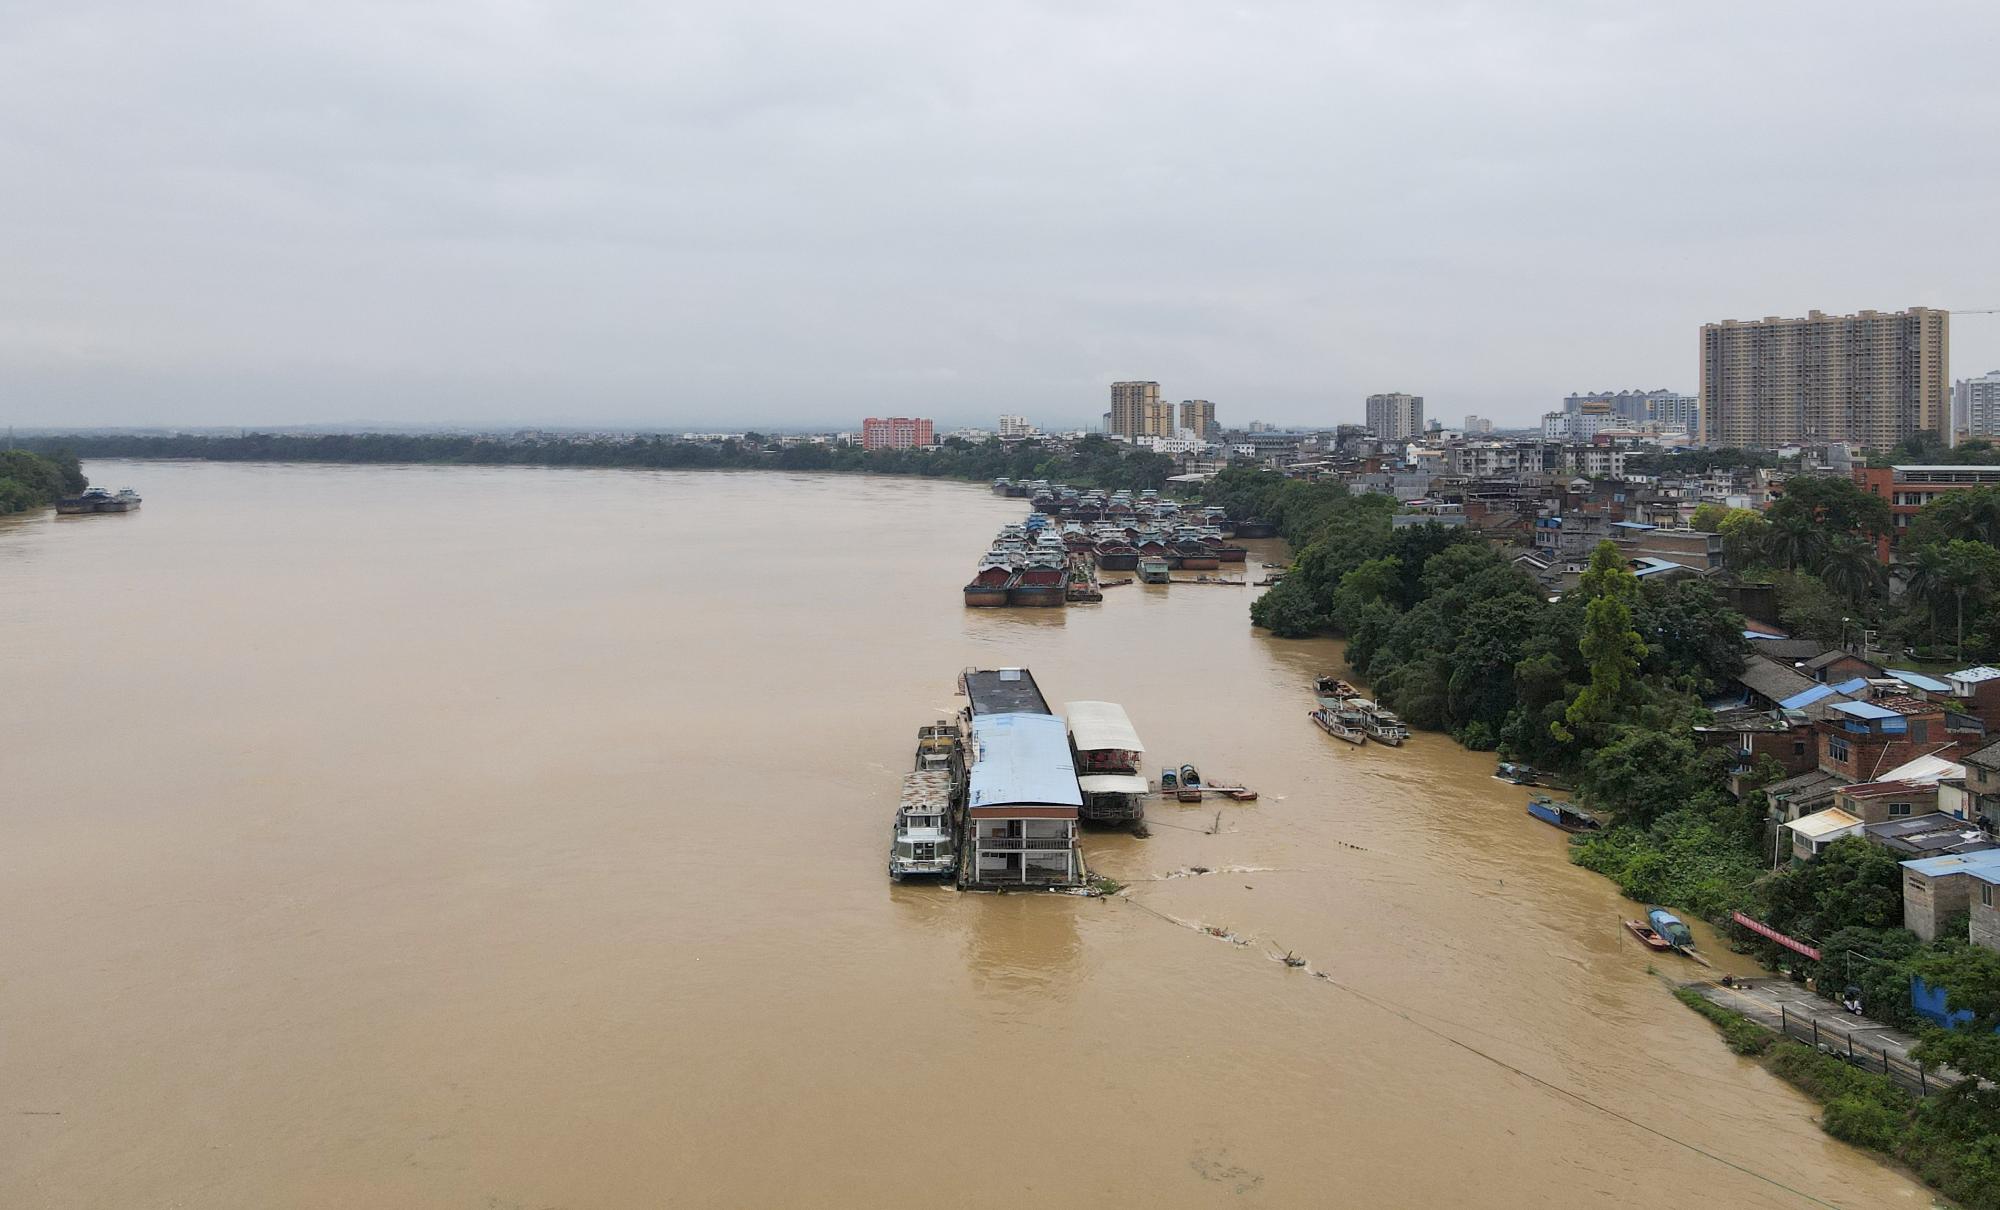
(1604, 684)
(30, 480)
(1088, 462)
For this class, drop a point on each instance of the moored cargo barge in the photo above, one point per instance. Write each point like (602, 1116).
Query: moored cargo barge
(1001, 691)
(989, 587)
(1039, 585)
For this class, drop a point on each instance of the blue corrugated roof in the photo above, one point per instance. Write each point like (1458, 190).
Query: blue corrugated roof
(1632, 525)
(1023, 758)
(1806, 697)
(1865, 710)
(1917, 680)
(1855, 685)
(1983, 863)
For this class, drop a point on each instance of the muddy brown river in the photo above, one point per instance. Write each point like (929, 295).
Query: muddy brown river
(441, 837)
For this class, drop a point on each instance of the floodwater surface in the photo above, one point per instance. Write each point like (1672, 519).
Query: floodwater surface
(443, 837)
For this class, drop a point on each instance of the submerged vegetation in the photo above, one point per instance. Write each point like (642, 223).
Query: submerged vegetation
(30, 480)
(1089, 462)
(1948, 1140)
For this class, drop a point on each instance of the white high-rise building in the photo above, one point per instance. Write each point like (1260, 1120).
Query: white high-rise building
(1477, 425)
(1980, 414)
(1015, 426)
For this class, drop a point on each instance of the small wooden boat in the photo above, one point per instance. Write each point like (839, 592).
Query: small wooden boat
(1170, 781)
(1236, 793)
(1334, 723)
(1563, 815)
(1190, 790)
(1520, 775)
(1652, 939)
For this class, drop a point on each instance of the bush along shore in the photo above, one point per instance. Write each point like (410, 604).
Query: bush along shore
(1090, 461)
(1947, 1140)
(29, 480)
(1604, 686)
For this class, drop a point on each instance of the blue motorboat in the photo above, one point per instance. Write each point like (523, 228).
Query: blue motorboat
(1670, 928)
(1562, 814)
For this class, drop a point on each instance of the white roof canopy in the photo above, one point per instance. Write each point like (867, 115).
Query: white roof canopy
(1113, 783)
(1823, 823)
(1100, 726)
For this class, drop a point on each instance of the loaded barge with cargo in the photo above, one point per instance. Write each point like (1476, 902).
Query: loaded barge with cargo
(1053, 556)
(100, 500)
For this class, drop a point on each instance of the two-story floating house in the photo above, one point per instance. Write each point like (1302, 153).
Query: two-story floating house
(1107, 762)
(1021, 808)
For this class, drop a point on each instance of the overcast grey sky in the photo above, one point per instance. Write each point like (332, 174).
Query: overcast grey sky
(757, 212)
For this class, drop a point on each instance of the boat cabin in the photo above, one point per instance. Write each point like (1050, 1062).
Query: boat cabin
(922, 843)
(1107, 752)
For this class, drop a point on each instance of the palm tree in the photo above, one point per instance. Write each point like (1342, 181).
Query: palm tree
(1794, 539)
(1948, 572)
(1849, 567)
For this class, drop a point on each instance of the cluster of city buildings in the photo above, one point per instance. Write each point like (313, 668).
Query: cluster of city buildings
(1902, 760)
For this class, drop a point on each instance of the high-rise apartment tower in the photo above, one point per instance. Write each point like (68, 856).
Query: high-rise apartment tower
(1198, 415)
(1871, 379)
(1395, 416)
(1980, 415)
(1138, 411)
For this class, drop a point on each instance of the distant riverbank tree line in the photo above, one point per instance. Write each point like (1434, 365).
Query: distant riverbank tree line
(30, 480)
(1091, 461)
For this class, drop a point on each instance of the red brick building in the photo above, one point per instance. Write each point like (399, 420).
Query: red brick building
(1909, 488)
(1860, 741)
(895, 433)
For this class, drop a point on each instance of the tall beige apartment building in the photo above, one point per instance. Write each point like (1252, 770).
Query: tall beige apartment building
(1138, 411)
(1395, 415)
(1199, 415)
(1871, 379)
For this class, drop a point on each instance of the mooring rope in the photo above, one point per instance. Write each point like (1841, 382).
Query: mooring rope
(1407, 1015)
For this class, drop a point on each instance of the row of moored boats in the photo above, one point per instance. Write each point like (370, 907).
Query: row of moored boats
(1346, 714)
(99, 500)
(1053, 557)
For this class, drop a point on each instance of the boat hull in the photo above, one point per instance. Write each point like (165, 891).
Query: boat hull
(1119, 561)
(1648, 937)
(1036, 596)
(1200, 563)
(1232, 554)
(980, 596)
(1352, 735)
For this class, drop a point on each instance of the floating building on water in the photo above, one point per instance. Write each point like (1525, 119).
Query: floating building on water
(1107, 763)
(1022, 804)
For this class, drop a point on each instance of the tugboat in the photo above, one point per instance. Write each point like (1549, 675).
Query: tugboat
(1155, 571)
(1336, 723)
(125, 501)
(93, 500)
(1170, 782)
(921, 843)
(1382, 725)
